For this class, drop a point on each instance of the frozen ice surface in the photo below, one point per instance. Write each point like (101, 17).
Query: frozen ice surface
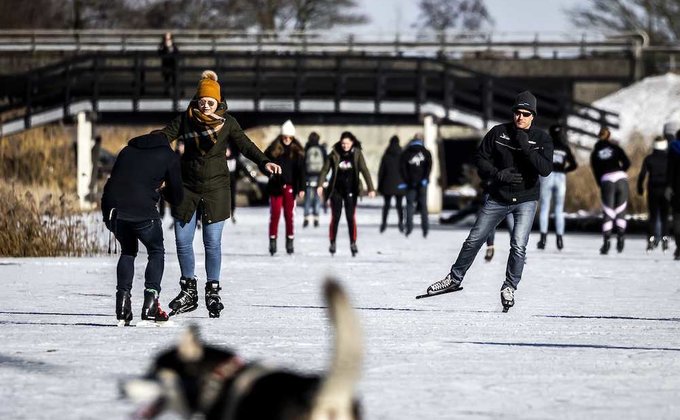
(590, 336)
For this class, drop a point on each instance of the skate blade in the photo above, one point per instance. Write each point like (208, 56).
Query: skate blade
(155, 324)
(123, 323)
(426, 295)
(505, 309)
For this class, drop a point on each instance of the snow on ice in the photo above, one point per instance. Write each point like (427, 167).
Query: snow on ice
(590, 336)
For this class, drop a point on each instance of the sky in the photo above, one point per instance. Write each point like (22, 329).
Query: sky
(387, 16)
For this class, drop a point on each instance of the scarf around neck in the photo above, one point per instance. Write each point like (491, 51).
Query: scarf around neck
(203, 128)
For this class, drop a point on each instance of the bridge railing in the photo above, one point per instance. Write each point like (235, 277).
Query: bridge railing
(511, 44)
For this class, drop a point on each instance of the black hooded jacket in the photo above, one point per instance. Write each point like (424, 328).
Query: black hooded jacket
(416, 163)
(389, 176)
(654, 170)
(140, 169)
(606, 158)
(500, 150)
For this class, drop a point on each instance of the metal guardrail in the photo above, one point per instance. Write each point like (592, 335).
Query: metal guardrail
(517, 44)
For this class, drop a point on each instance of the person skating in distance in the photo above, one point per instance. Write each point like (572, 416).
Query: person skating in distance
(511, 157)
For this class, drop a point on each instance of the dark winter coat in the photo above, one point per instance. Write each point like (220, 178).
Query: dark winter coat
(654, 165)
(206, 176)
(312, 176)
(389, 174)
(291, 158)
(359, 166)
(563, 159)
(415, 164)
(140, 169)
(673, 175)
(606, 158)
(500, 150)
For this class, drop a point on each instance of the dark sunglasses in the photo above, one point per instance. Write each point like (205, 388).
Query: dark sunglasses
(525, 114)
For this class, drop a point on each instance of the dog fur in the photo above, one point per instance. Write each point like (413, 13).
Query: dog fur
(198, 379)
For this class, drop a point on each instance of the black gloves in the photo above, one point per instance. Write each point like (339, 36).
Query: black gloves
(509, 176)
(523, 141)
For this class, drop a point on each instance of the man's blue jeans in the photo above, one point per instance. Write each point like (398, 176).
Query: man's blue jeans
(312, 201)
(489, 217)
(212, 241)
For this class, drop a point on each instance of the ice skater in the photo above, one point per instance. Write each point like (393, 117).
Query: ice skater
(609, 164)
(511, 157)
(390, 183)
(142, 169)
(416, 164)
(654, 169)
(206, 129)
(554, 187)
(315, 157)
(346, 163)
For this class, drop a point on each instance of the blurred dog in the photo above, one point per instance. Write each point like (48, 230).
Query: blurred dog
(197, 379)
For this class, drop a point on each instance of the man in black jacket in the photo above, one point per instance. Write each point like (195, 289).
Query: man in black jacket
(658, 206)
(510, 158)
(415, 167)
(142, 169)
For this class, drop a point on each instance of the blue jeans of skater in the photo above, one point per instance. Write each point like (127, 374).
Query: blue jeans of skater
(553, 186)
(312, 201)
(491, 214)
(416, 196)
(129, 234)
(212, 241)
(510, 224)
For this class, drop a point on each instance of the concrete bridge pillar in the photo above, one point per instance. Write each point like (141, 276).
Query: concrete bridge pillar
(84, 143)
(431, 140)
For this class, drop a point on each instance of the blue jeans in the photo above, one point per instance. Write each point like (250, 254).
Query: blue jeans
(150, 234)
(553, 186)
(491, 214)
(212, 241)
(416, 197)
(312, 201)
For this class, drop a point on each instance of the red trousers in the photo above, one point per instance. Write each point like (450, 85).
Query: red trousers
(285, 201)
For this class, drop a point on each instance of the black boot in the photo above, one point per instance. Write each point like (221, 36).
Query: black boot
(651, 243)
(383, 226)
(272, 246)
(353, 248)
(665, 240)
(542, 241)
(560, 242)
(213, 302)
(620, 242)
(604, 249)
(187, 299)
(305, 223)
(331, 248)
(151, 310)
(289, 245)
(123, 307)
(316, 221)
(488, 256)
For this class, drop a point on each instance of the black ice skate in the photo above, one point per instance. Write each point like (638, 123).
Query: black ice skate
(213, 302)
(446, 285)
(604, 249)
(123, 308)
(151, 310)
(651, 244)
(331, 248)
(542, 241)
(353, 248)
(488, 256)
(560, 242)
(676, 254)
(272, 246)
(665, 243)
(507, 298)
(620, 243)
(187, 299)
(289, 245)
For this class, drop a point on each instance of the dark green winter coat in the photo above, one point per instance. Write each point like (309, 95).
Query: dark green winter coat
(206, 176)
(359, 165)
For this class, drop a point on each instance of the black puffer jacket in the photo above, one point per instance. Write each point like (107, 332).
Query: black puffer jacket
(499, 150)
(416, 163)
(140, 169)
(606, 158)
(389, 176)
(654, 170)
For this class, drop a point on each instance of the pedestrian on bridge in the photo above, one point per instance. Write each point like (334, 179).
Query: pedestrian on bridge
(206, 130)
(346, 163)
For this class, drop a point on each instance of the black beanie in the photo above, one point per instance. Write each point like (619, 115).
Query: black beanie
(525, 100)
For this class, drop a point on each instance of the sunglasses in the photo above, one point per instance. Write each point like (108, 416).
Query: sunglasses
(209, 102)
(524, 114)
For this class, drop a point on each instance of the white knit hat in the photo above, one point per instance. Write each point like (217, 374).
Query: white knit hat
(288, 129)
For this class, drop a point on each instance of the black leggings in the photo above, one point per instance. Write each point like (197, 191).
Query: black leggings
(659, 209)
(398, 199)
(614, 203)
(350, 202)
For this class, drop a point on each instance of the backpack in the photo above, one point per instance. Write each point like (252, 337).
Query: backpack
(314, 160)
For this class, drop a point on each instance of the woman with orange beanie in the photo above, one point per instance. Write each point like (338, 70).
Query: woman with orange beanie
(206, 130)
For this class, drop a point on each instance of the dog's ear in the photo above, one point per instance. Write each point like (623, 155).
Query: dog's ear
(190, 347)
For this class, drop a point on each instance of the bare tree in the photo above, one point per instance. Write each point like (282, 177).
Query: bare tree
(659, 18)
(315, 14)
(440, 15)
(22, 14)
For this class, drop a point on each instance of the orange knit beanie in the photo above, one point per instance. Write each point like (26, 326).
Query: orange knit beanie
(208, 86)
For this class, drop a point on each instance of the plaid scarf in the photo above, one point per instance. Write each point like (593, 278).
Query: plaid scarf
(203, 128)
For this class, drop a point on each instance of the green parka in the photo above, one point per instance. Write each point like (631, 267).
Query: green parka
(359, 168)
(206, 176)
